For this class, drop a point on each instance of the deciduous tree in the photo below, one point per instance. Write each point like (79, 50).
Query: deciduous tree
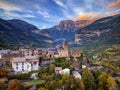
(14, 85)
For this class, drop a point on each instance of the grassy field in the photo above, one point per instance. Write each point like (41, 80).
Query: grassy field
(35, 82)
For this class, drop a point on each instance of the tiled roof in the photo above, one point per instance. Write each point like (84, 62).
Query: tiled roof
(19, 59)
(27, 58)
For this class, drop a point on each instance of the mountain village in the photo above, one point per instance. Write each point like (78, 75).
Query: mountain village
(59, 44)
(26, 60)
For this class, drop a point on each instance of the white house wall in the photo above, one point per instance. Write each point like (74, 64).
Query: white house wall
(35, 66)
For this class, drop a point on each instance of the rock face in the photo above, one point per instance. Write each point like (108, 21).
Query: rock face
(83, 23)
(66, 29)
(68, 25)
(102, 31)
(16, 33)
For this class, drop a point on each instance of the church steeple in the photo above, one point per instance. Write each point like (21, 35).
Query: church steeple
(65, 45)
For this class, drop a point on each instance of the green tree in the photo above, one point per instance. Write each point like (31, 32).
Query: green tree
(78, 85)
(51, 68)
(42, 88)
(80, 59)
(88, 79)
(106, 82)
(111, 84)
(71, 58)
(96, 74)
(102, 81)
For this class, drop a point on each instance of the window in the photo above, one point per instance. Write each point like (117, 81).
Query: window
(16, 67)
(28, 53)
(27, 66)
(22, 65)
(16, 64)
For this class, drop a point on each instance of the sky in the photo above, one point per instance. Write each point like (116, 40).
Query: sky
(47, 13)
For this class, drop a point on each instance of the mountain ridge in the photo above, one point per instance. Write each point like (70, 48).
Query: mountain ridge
(16, 36)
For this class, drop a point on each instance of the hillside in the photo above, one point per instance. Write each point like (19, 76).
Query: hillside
(17, 33)
(22, 25)
(105, 31)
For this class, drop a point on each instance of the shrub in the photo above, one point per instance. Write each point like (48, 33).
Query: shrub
(24, 76)
(1, 85)
(3, 72)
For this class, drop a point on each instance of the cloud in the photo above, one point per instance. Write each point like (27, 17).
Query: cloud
(54, 19)
(78, 11)
(42, 11)
(112, 13)
(114, 4)
(44, 14)
(89, 16)
(97, 15)
(44, 26)
(60, 3)
(10, 15)
(7, 6)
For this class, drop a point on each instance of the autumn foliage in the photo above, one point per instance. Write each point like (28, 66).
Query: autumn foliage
(3, 73)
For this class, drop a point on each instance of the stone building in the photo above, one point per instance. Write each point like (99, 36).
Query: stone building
(6, 58)
(62, 50)
(58, 51)
(75, 53)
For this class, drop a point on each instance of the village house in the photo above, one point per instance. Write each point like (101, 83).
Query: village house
(25, 64)
(75, 53)
(6, 57)
(57, 69)
(65, 71)
(76, 74)
(41, 51)
(28, 61)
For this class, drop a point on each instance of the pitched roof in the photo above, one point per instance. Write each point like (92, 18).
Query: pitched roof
(19, 59)
(26, 58)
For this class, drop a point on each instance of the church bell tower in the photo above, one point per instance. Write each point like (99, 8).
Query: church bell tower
(65, 47)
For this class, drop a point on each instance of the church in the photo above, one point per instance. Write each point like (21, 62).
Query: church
(63, 49)
(59, 50)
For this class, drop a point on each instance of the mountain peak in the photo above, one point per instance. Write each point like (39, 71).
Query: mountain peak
(65, 25)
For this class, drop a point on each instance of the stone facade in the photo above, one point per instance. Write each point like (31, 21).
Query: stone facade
(63, 50)
(75, 53)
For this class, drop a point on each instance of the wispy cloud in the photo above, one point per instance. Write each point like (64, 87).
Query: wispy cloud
(44, 14)
(50, 12)
(7, 6)
(114, 4)
(11, 15)
(112, 13)
(60, 3)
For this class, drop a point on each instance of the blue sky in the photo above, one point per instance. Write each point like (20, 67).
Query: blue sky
(47, 13)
